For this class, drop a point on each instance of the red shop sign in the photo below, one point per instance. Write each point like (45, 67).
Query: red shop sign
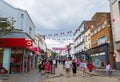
(29, 43)
(15, 42)
(12, 42)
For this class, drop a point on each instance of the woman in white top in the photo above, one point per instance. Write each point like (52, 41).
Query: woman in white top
(83, 67)
(67, 66)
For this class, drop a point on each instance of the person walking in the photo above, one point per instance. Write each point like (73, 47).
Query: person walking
(108, 68)
(78, 62)
(90, 67)
(39, 64)
(63, 62)
(51, 66)
(74, 68)
(83, 67)
(54, 65)
(47, 68)
(42, 65)
(67, 66)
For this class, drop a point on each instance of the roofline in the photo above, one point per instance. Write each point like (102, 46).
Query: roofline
(25, 11)
(18, 9)
(80, 25)
(9, 5)
(112, 2)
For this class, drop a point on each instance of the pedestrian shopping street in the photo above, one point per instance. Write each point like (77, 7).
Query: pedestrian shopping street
(59, 41)
(60, 76)
(79, 78)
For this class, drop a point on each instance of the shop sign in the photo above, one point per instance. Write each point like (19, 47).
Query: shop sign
(29, 43)
(15, 42)
(12, 42)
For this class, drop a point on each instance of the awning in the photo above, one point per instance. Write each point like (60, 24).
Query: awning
(34, 49)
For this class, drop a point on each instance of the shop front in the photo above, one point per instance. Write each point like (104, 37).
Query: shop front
(16, 55)
(100, 55)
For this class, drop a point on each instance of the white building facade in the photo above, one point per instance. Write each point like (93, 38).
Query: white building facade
(115, 18)
(79, 40)
(41, 43)
(22, 18)
(18, 47)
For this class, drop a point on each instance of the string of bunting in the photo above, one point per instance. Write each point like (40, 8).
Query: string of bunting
(50, 36)
(60, 38)
(62, 33)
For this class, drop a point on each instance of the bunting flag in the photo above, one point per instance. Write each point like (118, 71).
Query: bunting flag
(61, 34)
(60, 38)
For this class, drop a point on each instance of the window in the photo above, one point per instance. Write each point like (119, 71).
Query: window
(104, 25)
(91, 34)
(95, 31)
(22, 15)
(99, 28)
(30, 30)
(119, 6)
(102, 40)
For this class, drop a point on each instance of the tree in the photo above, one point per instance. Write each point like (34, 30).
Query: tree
(54, 54)
(6, 25)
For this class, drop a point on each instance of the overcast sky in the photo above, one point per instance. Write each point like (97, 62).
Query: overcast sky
(56, 16)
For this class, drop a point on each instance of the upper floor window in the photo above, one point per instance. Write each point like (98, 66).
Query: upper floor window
(119, 6)
(22, 15)
(102, 40)
(99, 28)
(30, 29)
(104, 25)
(95, 31)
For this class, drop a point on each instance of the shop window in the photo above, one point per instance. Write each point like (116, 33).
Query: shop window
(15, 60)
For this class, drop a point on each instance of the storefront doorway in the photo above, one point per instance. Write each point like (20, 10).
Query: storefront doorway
(16, 60)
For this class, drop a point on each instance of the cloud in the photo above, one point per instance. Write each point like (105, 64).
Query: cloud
(48, 14)
(55, 16)
(53, 43)
(58, 43)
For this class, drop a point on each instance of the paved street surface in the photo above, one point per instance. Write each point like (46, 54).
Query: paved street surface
(101, 77)
(82, 79)
(32, 76)
(60, 76)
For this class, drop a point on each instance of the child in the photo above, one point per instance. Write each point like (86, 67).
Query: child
(108, 68)
(90, 67)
